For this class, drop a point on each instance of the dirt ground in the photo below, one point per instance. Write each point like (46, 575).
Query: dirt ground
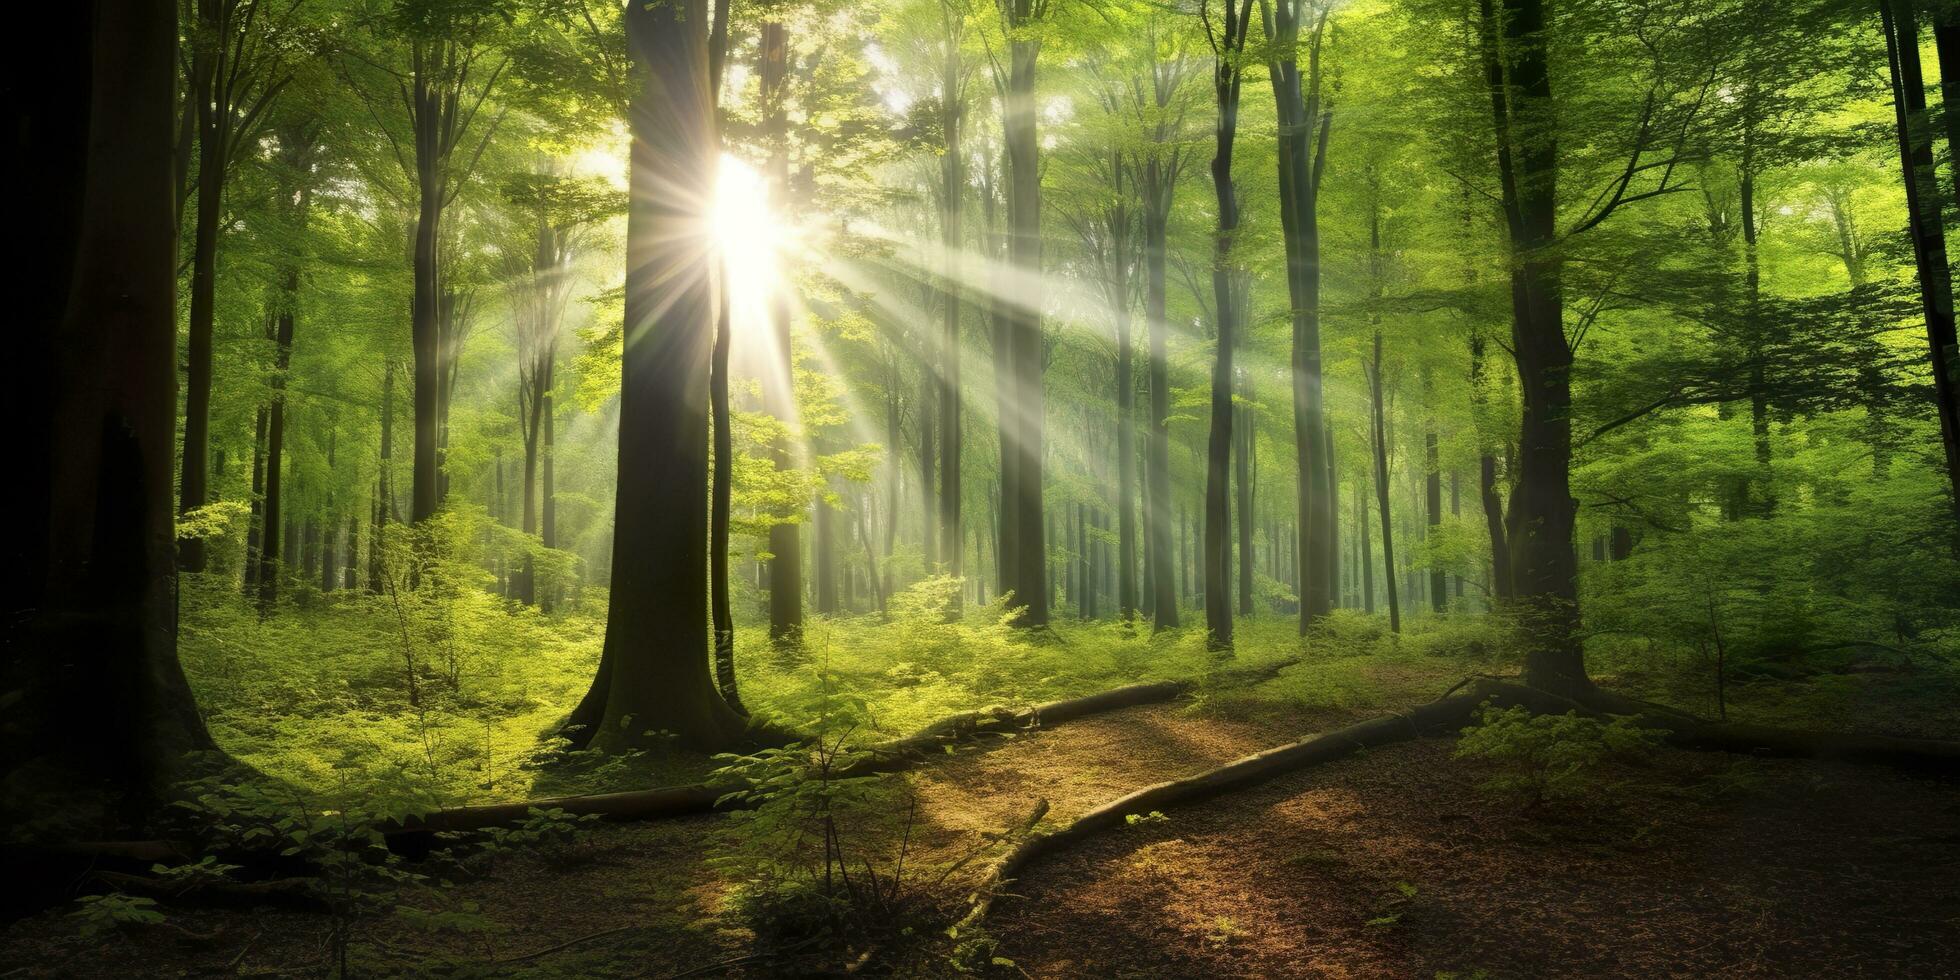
(1389, 864)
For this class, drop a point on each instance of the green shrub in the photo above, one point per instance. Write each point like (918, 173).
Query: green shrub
(1539, 758)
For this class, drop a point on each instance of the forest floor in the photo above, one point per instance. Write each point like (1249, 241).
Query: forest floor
(1392, 863)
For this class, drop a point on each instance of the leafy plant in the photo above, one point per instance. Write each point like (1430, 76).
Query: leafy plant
(1540, 757)
(101, 915)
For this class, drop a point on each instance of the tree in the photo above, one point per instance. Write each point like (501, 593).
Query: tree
(238, 66)
(1304, 124)
(104, 621)
(785, 536)
(1159, 162)
(1018, 340)
(443, 67)
(299, 147)
(1228, 49)
(653, 671)
(953, 78)
(1542, 513)
(1901, 26)
(548, 210)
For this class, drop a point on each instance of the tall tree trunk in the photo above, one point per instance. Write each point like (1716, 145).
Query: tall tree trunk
(1331, 539)
(894, 468)
(1226, 81)
(1367, 554)
(1126, 489)
(527, 585)
(270, 558)
(1379, 412)
(779, 393)
(1024, 348)
(425, 329)
(823, 558)
(1085, 607)
(1493, 502)
(1539, 526)
(384, 492)
(213, 137)
(928, 458)
(103, 620)
(1901, 25)
(256, 527)
(952, 180)
(1439, 598)
(547, 489)
(1244, 470)
(1302, 152)
(653, 672)
(1157, 454)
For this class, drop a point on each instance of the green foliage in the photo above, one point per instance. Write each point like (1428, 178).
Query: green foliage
(1541, 758)
(101, 915)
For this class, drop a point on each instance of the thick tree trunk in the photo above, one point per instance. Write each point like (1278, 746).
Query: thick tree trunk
(1539, 525)
(653, 673)
(1244, 471)
(103, 625)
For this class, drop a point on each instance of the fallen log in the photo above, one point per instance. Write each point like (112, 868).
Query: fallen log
(1443, 714)
(1688, 731)
(290, 893)
(893, 756)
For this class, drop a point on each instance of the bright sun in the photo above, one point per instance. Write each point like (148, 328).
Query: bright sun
(745, 227)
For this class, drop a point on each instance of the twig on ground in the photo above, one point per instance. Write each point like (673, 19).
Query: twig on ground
(565, 945)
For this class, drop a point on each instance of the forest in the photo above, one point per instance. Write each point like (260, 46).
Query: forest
(1015, 488)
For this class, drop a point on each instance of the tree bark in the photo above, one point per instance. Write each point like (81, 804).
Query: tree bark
(103, 620)
(653, 673)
